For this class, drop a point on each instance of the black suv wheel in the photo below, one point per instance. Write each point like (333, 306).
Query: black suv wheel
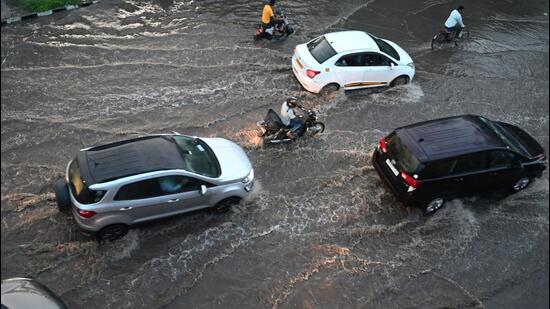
(521, 184)
(434, 205)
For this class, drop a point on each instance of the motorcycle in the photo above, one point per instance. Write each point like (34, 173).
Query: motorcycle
(272, 130)
(446, 36)
(278, 31)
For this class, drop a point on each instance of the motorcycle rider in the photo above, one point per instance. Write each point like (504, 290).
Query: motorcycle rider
(454, 22)
(289, 118)
(269, 19)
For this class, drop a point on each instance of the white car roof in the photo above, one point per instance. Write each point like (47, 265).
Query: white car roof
(344, 41)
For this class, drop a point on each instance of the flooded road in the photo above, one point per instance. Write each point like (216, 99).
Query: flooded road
(321, 230)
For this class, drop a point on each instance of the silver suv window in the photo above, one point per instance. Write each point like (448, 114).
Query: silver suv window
(159, 186)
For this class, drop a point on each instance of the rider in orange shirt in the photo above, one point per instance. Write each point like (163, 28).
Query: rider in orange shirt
(269, 19)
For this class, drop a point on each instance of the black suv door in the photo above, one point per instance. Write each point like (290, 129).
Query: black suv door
(438, 180)
(470, 173)
(504, 169)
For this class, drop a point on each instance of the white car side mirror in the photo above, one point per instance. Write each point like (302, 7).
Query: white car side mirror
(392, 65)
(203, 189)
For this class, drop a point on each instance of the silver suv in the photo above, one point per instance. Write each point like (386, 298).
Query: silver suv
(114, 186)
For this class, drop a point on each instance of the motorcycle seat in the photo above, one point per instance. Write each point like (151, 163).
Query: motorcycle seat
(272, 120)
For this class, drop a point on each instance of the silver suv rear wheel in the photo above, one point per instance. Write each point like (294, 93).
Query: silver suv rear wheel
(112, 233)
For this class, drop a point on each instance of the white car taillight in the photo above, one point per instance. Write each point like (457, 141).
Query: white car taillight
(312, 73)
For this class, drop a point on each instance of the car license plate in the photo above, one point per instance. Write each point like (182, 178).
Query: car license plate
(392, 168)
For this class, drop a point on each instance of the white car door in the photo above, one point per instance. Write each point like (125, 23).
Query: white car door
(350, 70)
(378, 70)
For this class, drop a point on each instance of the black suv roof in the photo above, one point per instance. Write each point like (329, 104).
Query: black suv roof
(449, 137)
(129, 157)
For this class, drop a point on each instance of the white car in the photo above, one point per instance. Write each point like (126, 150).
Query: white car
(352, 60)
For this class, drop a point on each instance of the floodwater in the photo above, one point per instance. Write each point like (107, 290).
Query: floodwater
(321, 230)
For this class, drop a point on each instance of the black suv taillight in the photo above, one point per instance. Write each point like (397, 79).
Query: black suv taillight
(383, 145)
(409, 180)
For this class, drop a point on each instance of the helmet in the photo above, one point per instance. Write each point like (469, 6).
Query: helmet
(292, 102)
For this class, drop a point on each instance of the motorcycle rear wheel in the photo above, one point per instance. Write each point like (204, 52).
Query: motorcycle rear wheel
(438, 40)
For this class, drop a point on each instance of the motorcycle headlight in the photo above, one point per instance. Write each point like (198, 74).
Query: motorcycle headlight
(411, 65)
(249, 178)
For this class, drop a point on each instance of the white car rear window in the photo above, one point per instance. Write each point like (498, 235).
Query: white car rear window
(321, 49)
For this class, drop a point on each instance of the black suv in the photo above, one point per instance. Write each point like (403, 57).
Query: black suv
(427, 163)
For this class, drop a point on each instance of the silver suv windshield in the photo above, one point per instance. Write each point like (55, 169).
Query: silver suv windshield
(198, 157)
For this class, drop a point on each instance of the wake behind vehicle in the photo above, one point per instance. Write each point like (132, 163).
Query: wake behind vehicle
(277, 31)
(273, 131)
(112, 187)
(429, 163)
(446, 37)
(350, 60)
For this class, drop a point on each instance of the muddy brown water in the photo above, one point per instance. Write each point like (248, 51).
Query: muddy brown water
(320, 231)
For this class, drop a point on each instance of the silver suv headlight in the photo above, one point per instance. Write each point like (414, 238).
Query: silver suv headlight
(411, 65)
(249, 178)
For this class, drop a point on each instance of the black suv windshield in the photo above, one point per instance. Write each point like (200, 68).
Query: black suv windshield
(385, 47)
(509, 141)
(401, 154)
(199, 158)
(321, 49)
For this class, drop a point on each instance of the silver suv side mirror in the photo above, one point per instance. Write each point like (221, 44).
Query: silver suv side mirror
(203, 189)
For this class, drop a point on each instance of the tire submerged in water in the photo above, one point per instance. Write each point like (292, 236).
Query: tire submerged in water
(62, 196)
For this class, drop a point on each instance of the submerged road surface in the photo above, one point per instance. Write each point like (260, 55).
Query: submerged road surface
(321, 230)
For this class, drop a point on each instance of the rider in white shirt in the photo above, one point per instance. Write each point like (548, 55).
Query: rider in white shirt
(454, 22)
(289, 118)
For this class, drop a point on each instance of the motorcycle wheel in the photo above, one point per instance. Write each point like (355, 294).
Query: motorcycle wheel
(464, 35)
(319, 127)
(289, 30)
(438, 40)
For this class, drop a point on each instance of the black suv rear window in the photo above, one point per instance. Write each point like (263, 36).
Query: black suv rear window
(321, 49)
(401, 154)
(385, 47)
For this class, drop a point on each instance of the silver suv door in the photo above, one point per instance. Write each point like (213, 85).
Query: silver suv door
(184, 193)
(140, 201)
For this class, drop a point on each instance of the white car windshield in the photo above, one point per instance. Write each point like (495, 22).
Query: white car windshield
(385, 47)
